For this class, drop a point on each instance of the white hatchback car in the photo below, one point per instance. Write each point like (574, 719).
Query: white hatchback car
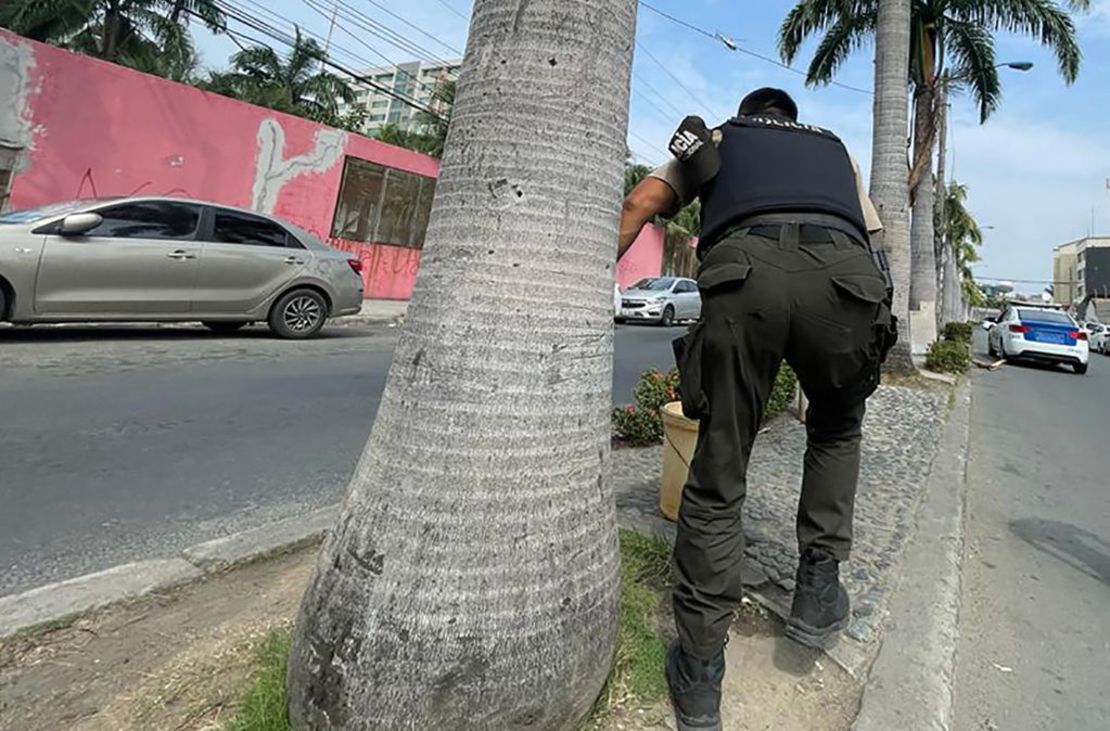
(1100, 337)
(664, 300)
(1041, 334)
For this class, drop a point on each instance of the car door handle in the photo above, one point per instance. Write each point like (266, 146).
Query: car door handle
(293, 260)
(181, 254)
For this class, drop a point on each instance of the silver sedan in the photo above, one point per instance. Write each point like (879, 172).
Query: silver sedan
(170, 260)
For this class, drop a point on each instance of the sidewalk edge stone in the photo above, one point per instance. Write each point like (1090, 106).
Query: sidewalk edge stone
(64, 600)
(910, 683)
(263, 541)
(67, 600)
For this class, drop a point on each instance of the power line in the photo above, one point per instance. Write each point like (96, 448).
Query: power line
(732, 45)
(447, 5)
(417, 28)
(677, 80)
(658, 95)
(389, 35)
(245, 18)
(362, 42)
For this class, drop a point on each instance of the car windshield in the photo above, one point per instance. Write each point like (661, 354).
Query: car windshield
(31, 215)
(654, 283)
(1049, 316)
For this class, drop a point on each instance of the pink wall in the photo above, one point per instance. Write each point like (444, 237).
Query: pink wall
(96, 129)
(643, 259)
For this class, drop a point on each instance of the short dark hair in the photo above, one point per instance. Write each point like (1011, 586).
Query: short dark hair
(766, 100)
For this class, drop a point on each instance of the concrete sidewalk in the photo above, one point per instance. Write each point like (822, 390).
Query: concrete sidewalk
(901, 434)
(373, 312)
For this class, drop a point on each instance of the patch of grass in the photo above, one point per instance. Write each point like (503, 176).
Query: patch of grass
(264, 705)
(637, 673)
(636, 677)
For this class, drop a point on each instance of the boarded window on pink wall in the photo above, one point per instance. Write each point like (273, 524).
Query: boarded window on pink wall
(382, 205)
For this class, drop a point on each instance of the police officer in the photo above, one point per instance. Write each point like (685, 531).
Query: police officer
(786, 272)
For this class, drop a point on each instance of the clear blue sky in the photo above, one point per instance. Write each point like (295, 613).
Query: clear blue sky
(1036, 171)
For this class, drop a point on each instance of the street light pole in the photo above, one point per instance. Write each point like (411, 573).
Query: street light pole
(942, 239)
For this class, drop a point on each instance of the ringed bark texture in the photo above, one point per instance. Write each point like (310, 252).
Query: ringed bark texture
(472, 579)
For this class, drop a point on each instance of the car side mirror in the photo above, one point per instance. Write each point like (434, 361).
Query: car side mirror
(988, 324)
(77, 224)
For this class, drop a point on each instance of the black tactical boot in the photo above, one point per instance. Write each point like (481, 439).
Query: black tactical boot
(695, 687)
(820, 608)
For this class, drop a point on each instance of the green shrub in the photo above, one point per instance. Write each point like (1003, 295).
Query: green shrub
(642, 423)
(959, 332)
(948, 356)
(782, 393)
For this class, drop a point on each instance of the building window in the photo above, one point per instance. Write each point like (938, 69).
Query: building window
(376, 118)
(380, 104)
(382, 205)
(8, 158)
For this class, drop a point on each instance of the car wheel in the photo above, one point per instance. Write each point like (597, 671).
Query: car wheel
(668, 317)
(224, 326)
(618, 320)
(298, 314)
(1080, 368)
(3, 304)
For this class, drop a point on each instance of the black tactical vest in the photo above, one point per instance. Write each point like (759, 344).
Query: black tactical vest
(771, 164)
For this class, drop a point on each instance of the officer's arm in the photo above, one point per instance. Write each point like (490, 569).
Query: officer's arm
(650, 198)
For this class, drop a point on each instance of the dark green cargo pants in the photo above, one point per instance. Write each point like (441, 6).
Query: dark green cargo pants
(813, 297)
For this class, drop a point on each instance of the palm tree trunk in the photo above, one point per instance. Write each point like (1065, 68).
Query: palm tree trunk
(923, 269)
(109, 38)
(472, 579)
(889, 183)
(953, 306)
(940, 200)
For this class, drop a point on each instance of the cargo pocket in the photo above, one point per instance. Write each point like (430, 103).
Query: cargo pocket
(873, 291)
(717, 276)
(869, 291)
(688, 359)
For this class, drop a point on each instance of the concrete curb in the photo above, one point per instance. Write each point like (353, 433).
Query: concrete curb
(910, 682)
(67, 600)
(265, 540)
(64, 600)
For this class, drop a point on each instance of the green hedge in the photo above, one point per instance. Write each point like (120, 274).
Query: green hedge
(948, 356)
(642, 423)
(959, 332)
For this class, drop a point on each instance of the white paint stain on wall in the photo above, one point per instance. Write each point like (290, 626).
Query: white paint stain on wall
(16, 62)
(272, 171)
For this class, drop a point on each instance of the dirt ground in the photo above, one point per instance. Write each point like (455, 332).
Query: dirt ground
(179, 661)
(174, 661)
(771, 684)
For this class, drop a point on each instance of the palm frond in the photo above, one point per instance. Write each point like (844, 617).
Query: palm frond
(810, 17)
(1044, 20)
(842, 38)
(971, 48)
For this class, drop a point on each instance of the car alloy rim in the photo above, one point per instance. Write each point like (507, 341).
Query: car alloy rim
(302, 313)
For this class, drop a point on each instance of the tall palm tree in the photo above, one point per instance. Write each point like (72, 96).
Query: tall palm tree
(944, 33)
(889, 185)
(962, 238)
(434, 125)
(143, 34)
(293, 83)
(428, 133)
(472, 578)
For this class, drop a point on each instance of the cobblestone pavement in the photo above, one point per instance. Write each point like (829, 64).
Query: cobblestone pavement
(901, 433)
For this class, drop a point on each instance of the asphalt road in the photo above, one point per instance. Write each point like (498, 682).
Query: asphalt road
(1034, 649)
(120, 444)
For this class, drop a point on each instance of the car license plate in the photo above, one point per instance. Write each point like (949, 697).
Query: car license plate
(1055, 338)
